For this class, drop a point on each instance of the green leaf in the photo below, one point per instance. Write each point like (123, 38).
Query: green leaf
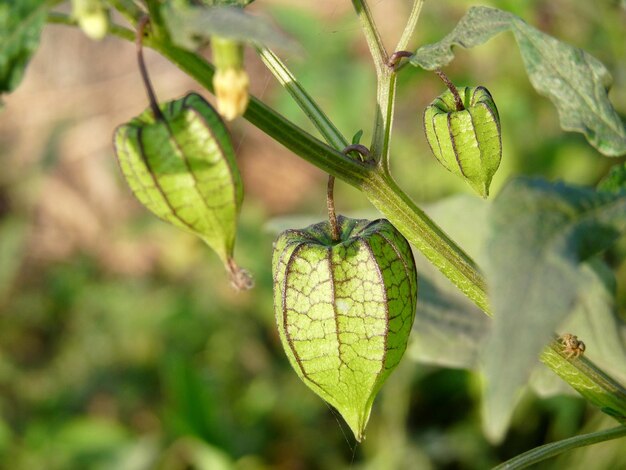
(192, 26)
(356, 138)
(21, 22)
(576, 82)
(615, 181)
(540, 233)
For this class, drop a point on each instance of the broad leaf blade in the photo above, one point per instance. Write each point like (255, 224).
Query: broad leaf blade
(21, 22)
(576, 82)
(540, 233)
(475, 28)
(615, 180)
(192, 26)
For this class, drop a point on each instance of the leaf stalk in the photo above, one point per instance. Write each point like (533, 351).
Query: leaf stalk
(541, 453)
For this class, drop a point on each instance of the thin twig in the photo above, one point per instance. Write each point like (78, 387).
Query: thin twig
(410, 25)
(553, 449)
(457, 98)
(310, 107)
(154, 104)
(372, 36)
(330, 204)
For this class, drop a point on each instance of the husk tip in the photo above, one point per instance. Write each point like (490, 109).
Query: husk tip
(240, 278)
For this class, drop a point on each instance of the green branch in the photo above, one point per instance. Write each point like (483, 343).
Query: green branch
(374, 41)
(553, 449)
(315, 114)
(410, 25)
(385, 84)
(589, 380)
(128, 9)
(427, 237)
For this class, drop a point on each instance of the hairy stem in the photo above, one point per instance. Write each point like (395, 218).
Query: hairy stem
(385, 84)
(315, 114)
(330, 204)
(590, 381)
(553, 449)
(374, 41)
(410, 25)
(427, 237)
(383, 125)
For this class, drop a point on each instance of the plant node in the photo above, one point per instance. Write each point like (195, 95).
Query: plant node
(396, 57)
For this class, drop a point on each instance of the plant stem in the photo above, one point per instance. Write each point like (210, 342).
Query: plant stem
(383, 192)
(374, 41)
(410, 25)
(385, 86)
(154, 104)
(455, 93)
(553, 449)
(383, 125)
(330, 204)
(587, 379)
(319, 119)
(128, 9)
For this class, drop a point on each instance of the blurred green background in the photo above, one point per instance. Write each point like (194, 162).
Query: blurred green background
(122, 345)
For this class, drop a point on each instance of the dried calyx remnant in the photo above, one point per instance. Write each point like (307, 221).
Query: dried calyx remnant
(344, 308)
(178, 159)
(463, 130)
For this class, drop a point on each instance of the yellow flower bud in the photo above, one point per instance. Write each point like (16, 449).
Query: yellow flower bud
(92, 18)
(231, 89)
